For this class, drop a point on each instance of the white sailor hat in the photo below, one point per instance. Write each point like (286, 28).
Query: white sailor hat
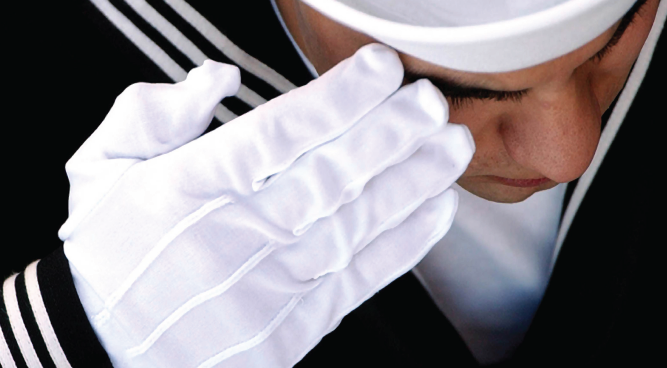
(479, 35)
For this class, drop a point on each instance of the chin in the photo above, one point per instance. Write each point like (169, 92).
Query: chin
(501, 193)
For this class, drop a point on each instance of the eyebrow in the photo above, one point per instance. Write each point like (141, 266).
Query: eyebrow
(459, 90)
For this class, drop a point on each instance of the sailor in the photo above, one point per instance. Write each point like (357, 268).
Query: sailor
(408, 207)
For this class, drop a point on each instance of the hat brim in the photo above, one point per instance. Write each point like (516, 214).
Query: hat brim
(494, 47)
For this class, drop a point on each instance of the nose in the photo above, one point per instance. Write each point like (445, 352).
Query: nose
(556, 130)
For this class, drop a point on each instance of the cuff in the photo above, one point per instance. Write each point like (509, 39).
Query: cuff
(42, 321)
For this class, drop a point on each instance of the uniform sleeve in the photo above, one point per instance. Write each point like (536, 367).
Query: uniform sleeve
(42, 321)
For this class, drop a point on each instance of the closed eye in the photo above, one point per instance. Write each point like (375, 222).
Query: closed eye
(459, 99)
(461, 93)
(626, 21)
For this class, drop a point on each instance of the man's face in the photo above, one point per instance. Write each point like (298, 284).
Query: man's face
(533, 128)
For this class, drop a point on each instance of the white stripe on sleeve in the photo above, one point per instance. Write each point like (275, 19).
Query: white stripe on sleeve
(42, 317)
(6, 359)
(20, 332)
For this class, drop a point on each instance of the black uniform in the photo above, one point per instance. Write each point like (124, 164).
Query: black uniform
(600, 307)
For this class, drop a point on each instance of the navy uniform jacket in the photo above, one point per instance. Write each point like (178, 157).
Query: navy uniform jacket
(600, 307)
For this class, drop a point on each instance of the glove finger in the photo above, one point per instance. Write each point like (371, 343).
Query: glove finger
(145, 121)
(270, 138)
(386, 201)
(302, 312)
(336, 173)
(275, 279)
(389, 256)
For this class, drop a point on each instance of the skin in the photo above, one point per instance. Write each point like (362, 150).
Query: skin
(552, 132)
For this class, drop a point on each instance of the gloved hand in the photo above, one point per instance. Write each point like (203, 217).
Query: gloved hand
(244, 247)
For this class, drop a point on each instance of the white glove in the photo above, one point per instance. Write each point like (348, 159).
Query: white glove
(244, 247)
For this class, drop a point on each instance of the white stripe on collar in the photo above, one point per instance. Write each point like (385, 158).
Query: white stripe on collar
(186, 46)
(305, 60)
(152, 50)
(227, 47)
(613, 125)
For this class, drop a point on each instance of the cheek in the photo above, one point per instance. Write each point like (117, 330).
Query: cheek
(607, 83)
(483, 118)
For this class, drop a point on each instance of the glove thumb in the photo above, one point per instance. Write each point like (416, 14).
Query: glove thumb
(146, 120)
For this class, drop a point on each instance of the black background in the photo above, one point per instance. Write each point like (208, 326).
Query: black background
(62, 76)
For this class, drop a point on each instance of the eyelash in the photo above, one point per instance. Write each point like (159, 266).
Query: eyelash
(620, 31)
(610, 45)
(607, 48)
(459, 99)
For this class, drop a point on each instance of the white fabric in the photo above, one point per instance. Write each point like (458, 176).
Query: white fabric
(479, 35)
(443, 13)
(489, 273)
(244, 247)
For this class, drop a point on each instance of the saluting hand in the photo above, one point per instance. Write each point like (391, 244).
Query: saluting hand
(245, 246)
